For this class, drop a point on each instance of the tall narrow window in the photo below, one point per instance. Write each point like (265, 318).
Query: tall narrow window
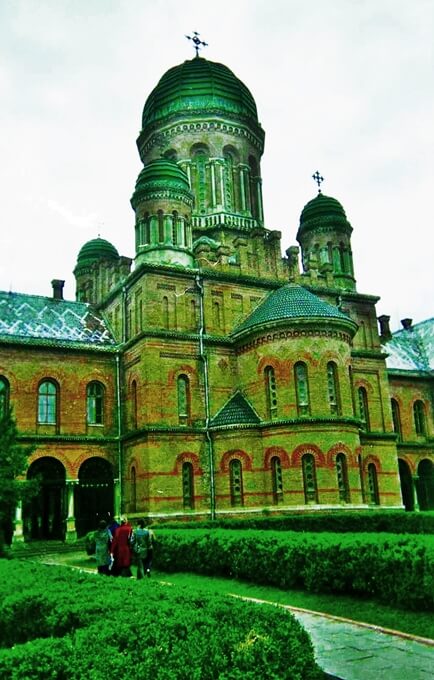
(160, 217)
(396, 417)
(188, 486)
(374, 498)
(236, 482)
(175, 228)
(133, 490)
(47, 403)
(216, 316)
(193, 314)
(183, 386)
(95, 403)
(4, 396)
(302, 388)
(419, 418)
(165, 311)
(342, 477)
(309, 478)
(134, 405)
(147, 229)
(333, 388)
(277, 480)
(271, 392)
(363, 408)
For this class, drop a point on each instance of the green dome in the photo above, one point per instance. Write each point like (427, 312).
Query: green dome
(202, 87)
(292, 303)
(161, 174)
(97, 249)
(323, 211)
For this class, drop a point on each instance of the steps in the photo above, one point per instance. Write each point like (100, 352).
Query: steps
(24, 549)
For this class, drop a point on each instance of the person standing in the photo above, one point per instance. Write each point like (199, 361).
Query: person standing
(121, 549)
(142, 548)
(102, 548)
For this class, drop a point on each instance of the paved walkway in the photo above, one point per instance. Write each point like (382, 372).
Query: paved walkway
(348, 650)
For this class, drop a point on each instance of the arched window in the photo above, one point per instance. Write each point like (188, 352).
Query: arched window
(374, 498)
(188, 486)
(236, 482)
(4, 396)
(396, 417)
(147, 230)
(342, 476)
(47, 403)
(271, 392)
(133, 504)
(333, 388)
(363, 408)
(309, 478)
(165, 311)
(277, 480)
(419, 418)
(175, 228)
(160, 217)
(134, 404)
(193, 314)
(183, 386)
(95, 403)
(302, 388)
(216, 315)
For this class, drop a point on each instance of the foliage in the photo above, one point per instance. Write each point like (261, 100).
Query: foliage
(13, 463)
(89, 543)
(378, 521)
(58, 623)
(395, 569)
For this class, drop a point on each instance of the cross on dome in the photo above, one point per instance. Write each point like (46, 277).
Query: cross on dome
(318, 179)
(198, 44)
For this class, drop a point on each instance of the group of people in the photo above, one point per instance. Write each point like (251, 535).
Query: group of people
(118, 546)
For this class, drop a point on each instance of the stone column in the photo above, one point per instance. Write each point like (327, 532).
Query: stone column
(18, 532)
(213, 186)
(71, 534)
(117, 500)
(415, 479)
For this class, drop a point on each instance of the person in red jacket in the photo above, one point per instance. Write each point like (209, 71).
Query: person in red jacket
(121, 550)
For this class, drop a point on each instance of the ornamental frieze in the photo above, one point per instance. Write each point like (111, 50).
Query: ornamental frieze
(293, 335)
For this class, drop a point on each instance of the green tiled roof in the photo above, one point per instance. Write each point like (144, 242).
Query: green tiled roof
(27, 317)
(323, 211)
(236, 411)
(291, 302)
(412, 349)
(97, 249)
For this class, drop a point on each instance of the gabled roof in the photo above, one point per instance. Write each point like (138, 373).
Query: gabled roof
(34, 317)
(236, 411)
(412, 349)
(291, 302)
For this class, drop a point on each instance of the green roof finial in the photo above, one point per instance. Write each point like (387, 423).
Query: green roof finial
(318, 179)
(198, 44)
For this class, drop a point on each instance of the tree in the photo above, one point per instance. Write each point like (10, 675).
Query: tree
(13, 464)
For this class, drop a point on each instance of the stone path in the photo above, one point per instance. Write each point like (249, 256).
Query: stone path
(348, 650)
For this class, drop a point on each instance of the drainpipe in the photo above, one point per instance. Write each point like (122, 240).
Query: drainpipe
(204, 359)
(119, 426)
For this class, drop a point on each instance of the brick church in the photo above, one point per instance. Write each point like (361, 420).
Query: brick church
(212, 375)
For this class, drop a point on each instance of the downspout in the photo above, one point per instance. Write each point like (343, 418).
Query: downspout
(203, 357)
(119, 426)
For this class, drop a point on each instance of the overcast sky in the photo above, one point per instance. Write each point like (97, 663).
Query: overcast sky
(342, 86)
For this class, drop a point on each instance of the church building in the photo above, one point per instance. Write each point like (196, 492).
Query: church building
(212, 375)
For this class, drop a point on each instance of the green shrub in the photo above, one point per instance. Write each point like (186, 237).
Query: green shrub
(89, 543)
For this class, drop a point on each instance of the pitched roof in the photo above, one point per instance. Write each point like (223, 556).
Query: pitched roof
(291, 302)
(412, 349)
(236, 411)
(34, 317)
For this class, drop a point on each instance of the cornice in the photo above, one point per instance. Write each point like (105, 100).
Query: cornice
(263, 338)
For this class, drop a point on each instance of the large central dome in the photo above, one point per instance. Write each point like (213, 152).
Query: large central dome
(199, 86)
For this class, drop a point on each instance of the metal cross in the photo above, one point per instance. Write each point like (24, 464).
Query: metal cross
(198, 44)
(318, 179)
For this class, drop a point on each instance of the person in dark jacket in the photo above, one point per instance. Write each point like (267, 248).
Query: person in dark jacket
(102, 548)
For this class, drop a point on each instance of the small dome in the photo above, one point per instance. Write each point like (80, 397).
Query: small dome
(198, 86)
(160, 174)
(323, 211)
(97, 249)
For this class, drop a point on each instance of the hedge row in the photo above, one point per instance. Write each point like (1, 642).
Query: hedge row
(58, 623)
(378, 521)
(394, 569)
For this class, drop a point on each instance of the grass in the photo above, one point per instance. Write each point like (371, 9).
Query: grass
(366, 611)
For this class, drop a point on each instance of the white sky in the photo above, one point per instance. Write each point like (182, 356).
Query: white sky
(342, 86)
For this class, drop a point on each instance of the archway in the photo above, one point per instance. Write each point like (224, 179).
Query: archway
(44, 516)
(94, 494)
(406, 485)
(425, 485)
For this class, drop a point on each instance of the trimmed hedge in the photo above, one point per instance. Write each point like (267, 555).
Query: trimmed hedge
(378, 521)
(63, 624)
(398, 570)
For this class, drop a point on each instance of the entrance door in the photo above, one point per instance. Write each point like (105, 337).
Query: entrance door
(406, 485)
(45, 515)
(425, 491)
(94, 494)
